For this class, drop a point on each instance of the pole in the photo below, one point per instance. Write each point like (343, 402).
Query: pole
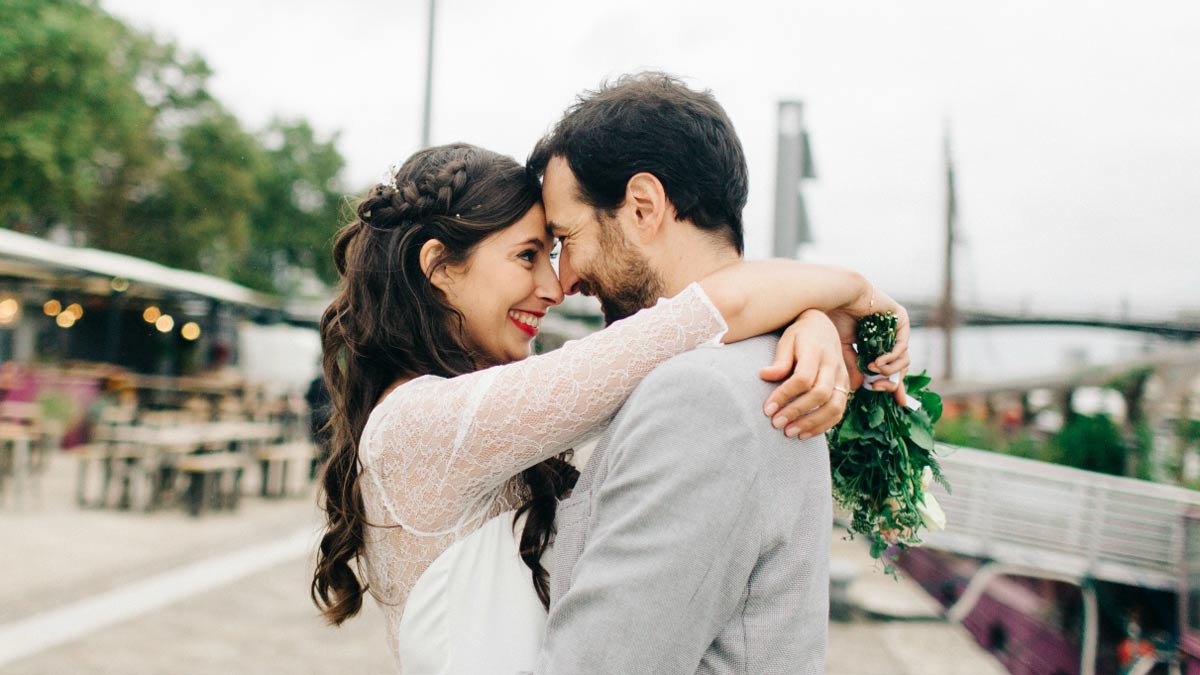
(948, 313)
(425, 120)
(793, 165)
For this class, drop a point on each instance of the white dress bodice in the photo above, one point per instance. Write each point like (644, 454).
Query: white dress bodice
(474, 610)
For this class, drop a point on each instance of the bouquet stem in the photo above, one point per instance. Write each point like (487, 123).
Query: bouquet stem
(881, 454)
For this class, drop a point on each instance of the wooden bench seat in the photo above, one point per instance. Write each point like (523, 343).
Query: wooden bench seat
(214, 480)
(132, 470)
(279, 465)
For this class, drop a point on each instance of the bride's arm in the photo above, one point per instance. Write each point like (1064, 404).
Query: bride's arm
(756, 297)
(764, 295)
(443, 443)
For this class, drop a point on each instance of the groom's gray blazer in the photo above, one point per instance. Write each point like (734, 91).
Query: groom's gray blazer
(697, 538)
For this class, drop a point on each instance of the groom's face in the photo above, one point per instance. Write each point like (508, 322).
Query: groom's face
(596, 258)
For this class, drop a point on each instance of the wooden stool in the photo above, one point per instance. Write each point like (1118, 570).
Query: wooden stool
(214, 480)
(15, 456)
(275, 462)
(98, 455)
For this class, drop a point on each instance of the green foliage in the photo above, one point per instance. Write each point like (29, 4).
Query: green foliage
(115, 134)
(299, 203)
(1188, 431)
(58, 407)
(1143, 449)
(1093, 443)
(968, 432)
(881, 450)
(73, 124)
(199, 217)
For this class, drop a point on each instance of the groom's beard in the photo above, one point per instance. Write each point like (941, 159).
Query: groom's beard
(622, 279)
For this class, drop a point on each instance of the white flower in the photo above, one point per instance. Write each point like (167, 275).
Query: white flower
(931, 512)
(926, 479)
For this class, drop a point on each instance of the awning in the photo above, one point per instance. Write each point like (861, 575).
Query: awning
(31, 257)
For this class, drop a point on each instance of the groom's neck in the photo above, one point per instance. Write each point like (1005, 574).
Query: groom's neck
(690, 256)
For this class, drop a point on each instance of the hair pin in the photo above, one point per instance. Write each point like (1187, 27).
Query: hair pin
(388, 177)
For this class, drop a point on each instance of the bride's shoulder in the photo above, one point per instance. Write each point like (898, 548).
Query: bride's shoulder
(397, 398)
(394, 392)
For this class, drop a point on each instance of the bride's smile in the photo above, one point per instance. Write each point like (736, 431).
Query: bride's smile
(504, 288)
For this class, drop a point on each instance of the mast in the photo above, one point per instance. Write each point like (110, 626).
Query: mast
(948, 314)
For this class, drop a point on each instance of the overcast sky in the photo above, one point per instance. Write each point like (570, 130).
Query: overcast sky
(1076, 125)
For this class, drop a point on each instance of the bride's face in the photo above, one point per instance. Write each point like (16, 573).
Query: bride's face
(505, 288)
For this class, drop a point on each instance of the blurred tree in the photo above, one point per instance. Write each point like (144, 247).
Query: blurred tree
(115, 134)
(198, 213)
(81, 98)
(298, 207)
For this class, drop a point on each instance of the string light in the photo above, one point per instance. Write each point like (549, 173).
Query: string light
(10, 311)
(65, 320)
(151, 314)
(76, 309)
(119, 284)
(190, 330)
(164, 323)
(52, 307)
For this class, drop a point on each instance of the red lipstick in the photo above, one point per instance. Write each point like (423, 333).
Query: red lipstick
(529, 330)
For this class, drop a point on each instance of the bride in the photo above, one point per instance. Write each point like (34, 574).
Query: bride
(449, 439)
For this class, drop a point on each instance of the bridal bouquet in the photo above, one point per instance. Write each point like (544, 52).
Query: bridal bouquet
(881, 453)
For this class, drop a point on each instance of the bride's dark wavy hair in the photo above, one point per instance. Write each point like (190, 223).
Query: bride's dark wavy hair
(389, 322)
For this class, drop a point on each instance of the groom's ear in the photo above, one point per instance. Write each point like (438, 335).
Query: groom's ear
(645, 195)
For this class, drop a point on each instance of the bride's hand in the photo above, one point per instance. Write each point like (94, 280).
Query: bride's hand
(894, 362)
(813, 399)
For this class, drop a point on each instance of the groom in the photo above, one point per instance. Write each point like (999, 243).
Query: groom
(697, 537)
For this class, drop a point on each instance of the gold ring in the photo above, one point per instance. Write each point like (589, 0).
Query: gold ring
(843, 390)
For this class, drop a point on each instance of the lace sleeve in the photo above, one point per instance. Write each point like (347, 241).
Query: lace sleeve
(442, 444)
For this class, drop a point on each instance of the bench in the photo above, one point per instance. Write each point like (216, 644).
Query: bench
(133, 468)
(279, 465)
(214, 480)
(87, 456)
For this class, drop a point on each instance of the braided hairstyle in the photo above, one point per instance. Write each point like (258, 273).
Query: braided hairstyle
(389, 322)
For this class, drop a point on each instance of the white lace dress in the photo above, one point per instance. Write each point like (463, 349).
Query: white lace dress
(439, 457)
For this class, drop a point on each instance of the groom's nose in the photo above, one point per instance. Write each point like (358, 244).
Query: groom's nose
(566, 274)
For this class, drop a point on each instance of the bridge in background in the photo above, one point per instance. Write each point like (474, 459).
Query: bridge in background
(1180, 328)
(579, 315)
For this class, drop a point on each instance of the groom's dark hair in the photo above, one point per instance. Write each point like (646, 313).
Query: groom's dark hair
(652, 122)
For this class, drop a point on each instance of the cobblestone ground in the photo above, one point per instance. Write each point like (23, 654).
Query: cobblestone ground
(55, 554)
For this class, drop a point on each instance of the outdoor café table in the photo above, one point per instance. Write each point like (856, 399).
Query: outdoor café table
(163, 447)
(197, 434)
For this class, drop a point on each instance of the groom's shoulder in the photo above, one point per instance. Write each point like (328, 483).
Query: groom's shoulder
(736, 363)
(729, 372)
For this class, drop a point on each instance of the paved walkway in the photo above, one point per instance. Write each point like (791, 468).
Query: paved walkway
(101, 591)
(895, 627)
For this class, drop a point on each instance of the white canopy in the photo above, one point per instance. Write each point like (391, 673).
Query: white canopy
(33, 254)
